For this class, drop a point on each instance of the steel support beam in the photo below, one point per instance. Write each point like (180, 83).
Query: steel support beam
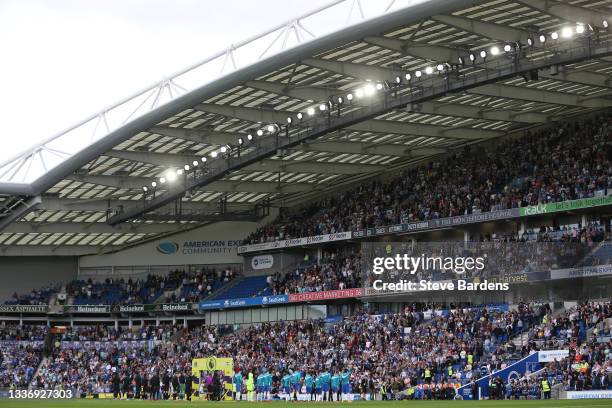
(95, 228)
(539, 95)
(566, 11)
(498, 32)
(307, 166)
(315, 94)
(104, 205)
(432, 52)
(224, 186)
(166, 160)
(372, 125)
(53, 250)
(202, 137)
(354, 70)
(24, 207)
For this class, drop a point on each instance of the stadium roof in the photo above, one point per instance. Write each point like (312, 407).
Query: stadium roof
(82, 191)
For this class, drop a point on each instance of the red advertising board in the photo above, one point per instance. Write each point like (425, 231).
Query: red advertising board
(326, 295)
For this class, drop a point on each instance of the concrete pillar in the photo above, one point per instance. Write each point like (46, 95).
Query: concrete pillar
(583, 221)
(116, 324)
(466, 236)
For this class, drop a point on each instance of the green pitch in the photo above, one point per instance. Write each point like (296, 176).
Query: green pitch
(75, 403)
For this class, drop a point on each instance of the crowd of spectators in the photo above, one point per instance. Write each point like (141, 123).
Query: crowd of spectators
(104, 333)
(16, 332)
(403, 355)
(334, 271)
(571, 326)
(18, 362)
(122, 291)
(568, 162)
(400, 347)
(198, 285)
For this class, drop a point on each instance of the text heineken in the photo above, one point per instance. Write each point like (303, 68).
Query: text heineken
(176, 307)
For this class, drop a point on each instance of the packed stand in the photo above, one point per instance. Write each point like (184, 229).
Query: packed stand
(401, 348)
(16, 332)
(571, 327)
(589, 364)
(565, 163)
(18, 362)
(332, 272)
(203, 283)
(104, 333)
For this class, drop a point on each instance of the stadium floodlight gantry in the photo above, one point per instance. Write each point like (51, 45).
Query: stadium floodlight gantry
(285, 116)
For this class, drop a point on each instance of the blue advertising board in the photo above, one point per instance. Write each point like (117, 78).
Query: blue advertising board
(243, 302)
(514, 371)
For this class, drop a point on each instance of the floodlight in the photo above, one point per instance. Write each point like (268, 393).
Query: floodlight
(567, 32)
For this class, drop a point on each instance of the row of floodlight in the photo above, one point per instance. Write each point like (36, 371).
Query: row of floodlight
(371, 88)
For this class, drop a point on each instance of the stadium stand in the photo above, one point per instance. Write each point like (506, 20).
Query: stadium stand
(469, 182)
(245, 221)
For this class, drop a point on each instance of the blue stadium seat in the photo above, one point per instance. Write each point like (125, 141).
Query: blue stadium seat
(248, 287)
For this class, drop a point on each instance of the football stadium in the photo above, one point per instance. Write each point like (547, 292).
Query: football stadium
(410, 207)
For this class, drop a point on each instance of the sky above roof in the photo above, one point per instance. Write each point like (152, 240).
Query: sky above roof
(64, 60)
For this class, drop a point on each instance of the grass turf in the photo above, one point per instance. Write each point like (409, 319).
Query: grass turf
(78, 403)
